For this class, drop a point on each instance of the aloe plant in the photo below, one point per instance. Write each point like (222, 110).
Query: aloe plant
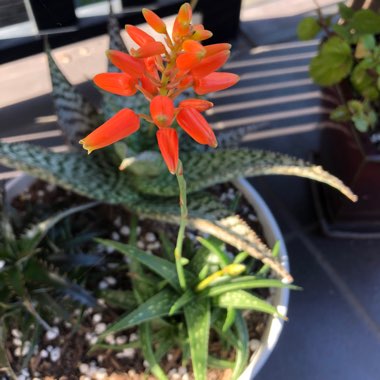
(219, 290)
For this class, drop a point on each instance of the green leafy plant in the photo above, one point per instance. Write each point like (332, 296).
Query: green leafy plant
(219, 289)
(30, 283)
(348, 58)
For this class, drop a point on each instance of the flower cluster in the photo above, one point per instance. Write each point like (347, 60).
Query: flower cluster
(162, 72)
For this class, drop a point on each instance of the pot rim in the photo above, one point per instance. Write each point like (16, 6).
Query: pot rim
(272, 234)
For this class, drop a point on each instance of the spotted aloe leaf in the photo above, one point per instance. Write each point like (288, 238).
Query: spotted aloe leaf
(162, 267)
(209, 168)
(155, 307)
(198, 318)
(240, 299)
(76, 115)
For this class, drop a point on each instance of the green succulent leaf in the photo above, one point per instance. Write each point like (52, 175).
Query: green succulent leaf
(210, 168)
(214, 246)
(333, 62)
(146, 346)
(155, 307)
(240, 299)
(123, 299)
(198, 318)
(161, 267)
(242, 351)
(308, 28)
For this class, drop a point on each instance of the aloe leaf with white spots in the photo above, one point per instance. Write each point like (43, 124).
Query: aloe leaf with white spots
(242, 300)
(155, 307)
(198, 318)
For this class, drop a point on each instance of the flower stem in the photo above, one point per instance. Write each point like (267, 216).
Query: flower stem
(182, 226)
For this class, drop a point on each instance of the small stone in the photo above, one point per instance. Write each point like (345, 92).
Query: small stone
(186, 376)
(100, 374)
(40, 193)
(110, 280)
(254, 345)
(130, 353)
(133, 337)
(150, 237)
(170, 357)
(252, 217)
(140, 244)
(153, 246)
(182, 370)
(2, 264)
(122, 339)
(117, 222)
(138, 230)
(96, 318)
(100, 328)
(103, 285)
(110, 339)
(110, 249)
(17, 342)
(55, 354)
(16, 333)
(52, 333)
(176, 376)
(50, 188)
(125, 230)
(83, 368)
(112, 265)
(85, 378)
(67, 324)
(115, 236)
(49, 348)
(145, 364)
(44, 354)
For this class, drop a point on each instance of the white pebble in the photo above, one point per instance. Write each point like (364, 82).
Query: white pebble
(111, 280)
(40, 193)
(252, 217)
(16, 333)
(115, 236)
(22, 351)
(49, 348)
(100, 374)
(254, 345)
(50, 187)
(110, 339)
(67, 324)
(130, 353)
(52, 333)
(186, 376)
(117, 222)
(44, 354)
(110, 249)
(100, 327)
(170, 357)
(96, 318)
(2, 264)
(176, 376)
(17, 341)
(140, 244)
(55, 354)
(138, 230)
(85, 378)
(182, 370)
(83, 368)
(112, 265)
(133, 337)
(153, 246)
(145, 364)
(122, 339)
(150, 237)
(125, 230)
(103, 285)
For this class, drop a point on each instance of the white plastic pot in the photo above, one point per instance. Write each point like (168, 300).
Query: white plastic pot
(272, 234)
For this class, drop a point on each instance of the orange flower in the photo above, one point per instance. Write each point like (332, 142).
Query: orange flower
(149, 50)
(181, 25)
(138, 35)
(199, 104)
(154, 21)
(117, 83)
(210, 64)
(148, 86)
(216, 48)
(214, 82)
(162, 111)
(126, 63)
(168, 143)
(121, 125)
(196, 126)
(200, 34)
(194, 52)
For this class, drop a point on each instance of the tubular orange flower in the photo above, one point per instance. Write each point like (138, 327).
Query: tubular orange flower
(162, 111)
(181, 25)
(138, 35)
(167, 139)
(154, 21)
(187, 61)
(214, 82)
(199, 104)
(210, 64)
(196, 126)
(200, 34)
(149, 50)
(216, 48)
(121, 125)
(126, 63)
(117, 83)
(148, 86)
(194, 47)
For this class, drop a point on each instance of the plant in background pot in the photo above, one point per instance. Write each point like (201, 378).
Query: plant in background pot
(162, 72)
(347, 65)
